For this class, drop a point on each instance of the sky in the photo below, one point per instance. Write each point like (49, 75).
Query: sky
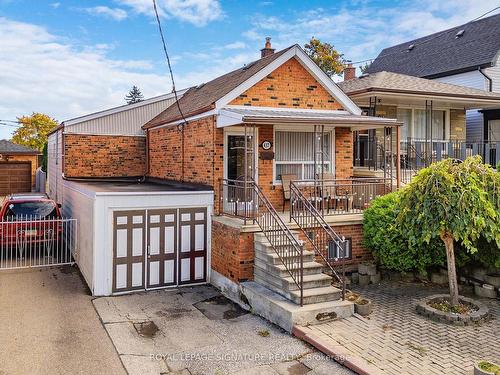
(69, 58)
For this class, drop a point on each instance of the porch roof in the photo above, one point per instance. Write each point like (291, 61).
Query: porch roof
(401, 88)
(235, 115)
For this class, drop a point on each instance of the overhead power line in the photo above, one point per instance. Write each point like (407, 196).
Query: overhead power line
(428, 40)
(168, 62)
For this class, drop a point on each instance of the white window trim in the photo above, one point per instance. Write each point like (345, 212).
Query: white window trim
(240, 130)
(308, 129)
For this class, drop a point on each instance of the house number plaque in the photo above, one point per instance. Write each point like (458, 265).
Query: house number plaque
(266, 145)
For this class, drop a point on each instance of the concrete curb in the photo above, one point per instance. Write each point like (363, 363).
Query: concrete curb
(336, 352)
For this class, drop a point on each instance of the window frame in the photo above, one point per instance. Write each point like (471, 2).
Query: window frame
(309, 129)
(411, 131)
(349, 257)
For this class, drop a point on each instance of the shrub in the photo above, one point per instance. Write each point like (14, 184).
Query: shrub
(388, 242)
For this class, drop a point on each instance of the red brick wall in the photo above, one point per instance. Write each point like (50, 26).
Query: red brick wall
(165, 152)
(104, 156)
(343, 153)
(232, 252)
(290, 85)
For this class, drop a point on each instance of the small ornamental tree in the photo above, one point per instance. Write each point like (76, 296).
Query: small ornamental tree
(456, 202)
(326, 56)
(134, 95)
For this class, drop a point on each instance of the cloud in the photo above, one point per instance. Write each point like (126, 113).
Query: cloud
(55, 5)
(115, 13)
(42, 72)
(197, 12)
(361, 31)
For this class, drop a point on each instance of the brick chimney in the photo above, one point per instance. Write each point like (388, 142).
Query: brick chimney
(267, 50)
(349, 72)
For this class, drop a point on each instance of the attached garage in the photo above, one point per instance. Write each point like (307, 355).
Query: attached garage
(140, 236)
(15, 177)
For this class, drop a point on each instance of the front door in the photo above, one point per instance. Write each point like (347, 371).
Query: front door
(235, 157)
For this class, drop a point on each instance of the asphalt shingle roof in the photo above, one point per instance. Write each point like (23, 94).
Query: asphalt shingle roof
(200, 98)
(443, 53)
(7, 147)
(394, 82)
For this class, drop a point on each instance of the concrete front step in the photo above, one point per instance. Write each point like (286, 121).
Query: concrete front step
(266, 246)
(286, 314)
(261, 237)
(274, 258)
(287, 284)
(279, 270)
(316, 295)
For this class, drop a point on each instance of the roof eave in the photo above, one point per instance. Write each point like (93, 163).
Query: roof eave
(428, 95)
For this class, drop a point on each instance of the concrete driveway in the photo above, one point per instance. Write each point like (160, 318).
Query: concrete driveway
(196, 330)
(48, 325)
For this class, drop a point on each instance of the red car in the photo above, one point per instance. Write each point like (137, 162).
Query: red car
(29, 219)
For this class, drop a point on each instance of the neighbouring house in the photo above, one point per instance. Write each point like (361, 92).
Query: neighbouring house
(18, 165)
(433, 117)
(246, 182)
(466, 55)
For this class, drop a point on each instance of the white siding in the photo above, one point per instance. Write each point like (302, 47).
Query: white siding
(79, 205)
(494, 74)
(123, 121)
(472, 79)
(54, 166)
(475, 126)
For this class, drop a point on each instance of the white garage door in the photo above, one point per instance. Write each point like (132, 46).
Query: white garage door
(159, 248)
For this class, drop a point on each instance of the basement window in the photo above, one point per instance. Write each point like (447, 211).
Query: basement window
(337, 250)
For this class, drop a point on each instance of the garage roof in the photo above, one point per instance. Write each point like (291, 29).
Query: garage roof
(8, 147)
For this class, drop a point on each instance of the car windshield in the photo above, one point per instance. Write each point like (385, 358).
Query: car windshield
(27, 210)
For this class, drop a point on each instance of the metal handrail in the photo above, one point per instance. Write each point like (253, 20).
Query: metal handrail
(307, 217)
(355, 193)
(258, 208)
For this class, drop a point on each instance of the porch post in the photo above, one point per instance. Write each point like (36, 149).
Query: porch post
(398, 157)
(245, 174)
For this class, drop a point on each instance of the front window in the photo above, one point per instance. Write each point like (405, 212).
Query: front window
(405, 116)
(38, 210)
(438, 131)
(294, 154)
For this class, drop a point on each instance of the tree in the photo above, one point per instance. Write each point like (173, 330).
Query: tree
(134, 95)
(33, 130)
(364, 67)
(326, 56)
(456, 202)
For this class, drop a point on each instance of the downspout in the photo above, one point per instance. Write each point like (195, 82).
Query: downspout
(488, 78)
(485, 122)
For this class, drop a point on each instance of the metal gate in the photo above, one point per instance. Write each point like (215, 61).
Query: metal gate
(30, 242)
(159, 248)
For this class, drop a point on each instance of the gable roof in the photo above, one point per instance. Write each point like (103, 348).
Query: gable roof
(444, 53)
(402, 83)
(7, 147)
(204, 97)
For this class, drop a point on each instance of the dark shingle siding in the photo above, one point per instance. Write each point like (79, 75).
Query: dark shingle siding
(442, 53)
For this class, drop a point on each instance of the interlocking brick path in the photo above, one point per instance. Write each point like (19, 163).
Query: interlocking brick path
(395, 339)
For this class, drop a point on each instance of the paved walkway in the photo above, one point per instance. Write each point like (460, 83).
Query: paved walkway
(49, 326)
(396, 340)
(195, 330)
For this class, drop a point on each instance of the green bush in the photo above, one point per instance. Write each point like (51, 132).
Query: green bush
(388, 242)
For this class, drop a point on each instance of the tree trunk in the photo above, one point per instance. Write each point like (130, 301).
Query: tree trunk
(452, 273)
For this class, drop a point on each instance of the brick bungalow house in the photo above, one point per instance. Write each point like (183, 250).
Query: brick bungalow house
(272, 143)
(239, 134)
